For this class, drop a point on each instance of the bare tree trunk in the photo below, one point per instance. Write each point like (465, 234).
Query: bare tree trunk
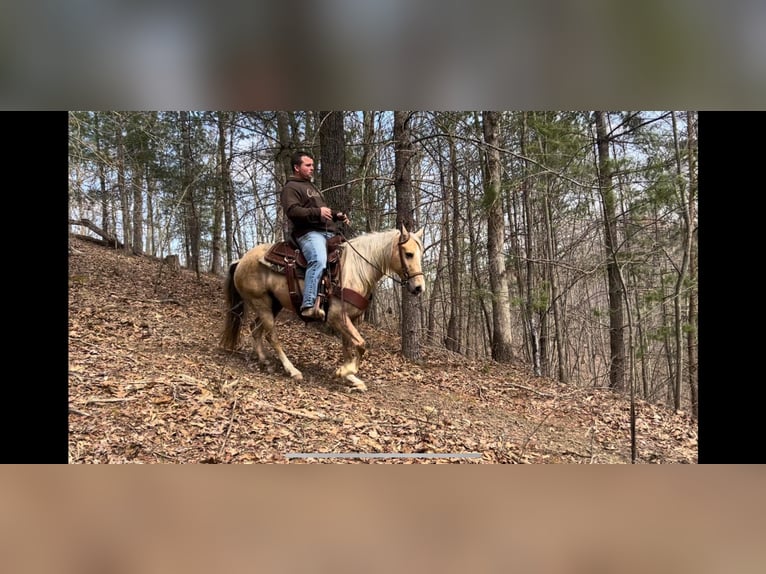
(367, 170)
(683, 195)
(455, 335)
(691, 337)
(151, 240)
(105, 203)
(530, 311)
(502, 350)
(437, 291)
(221, 194)
(121, 186)
(550, 271)
(332, 138)
(478, 325)
(368, 196)
(677, 336)
(405, 215)
(138, 209)
(311, 131)
(192, 223)
(616, 294)
(228, 202)
(283, 169)
(667, 346)
(518, 256)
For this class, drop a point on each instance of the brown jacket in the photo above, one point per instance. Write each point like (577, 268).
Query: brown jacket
(301, 202)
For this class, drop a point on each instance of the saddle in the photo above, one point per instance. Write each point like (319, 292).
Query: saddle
(286, 257)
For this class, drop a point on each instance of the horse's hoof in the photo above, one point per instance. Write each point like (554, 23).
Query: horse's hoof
(355, 384)
(297, 376)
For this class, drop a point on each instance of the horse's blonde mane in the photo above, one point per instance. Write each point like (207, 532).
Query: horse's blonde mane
(367, 258)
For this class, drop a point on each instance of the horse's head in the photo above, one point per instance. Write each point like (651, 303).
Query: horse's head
(407, 258)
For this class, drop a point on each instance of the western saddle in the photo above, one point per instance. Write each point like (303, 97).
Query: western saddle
(286, 257)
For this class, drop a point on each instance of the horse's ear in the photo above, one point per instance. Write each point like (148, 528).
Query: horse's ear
(419, 234)
(405, 234)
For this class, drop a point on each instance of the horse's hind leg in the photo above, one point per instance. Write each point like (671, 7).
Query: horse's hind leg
(258, 333)
(264, 329)
(271, 335)
(266, 311)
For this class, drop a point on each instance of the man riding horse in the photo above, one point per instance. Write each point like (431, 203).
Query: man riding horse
(313, 223)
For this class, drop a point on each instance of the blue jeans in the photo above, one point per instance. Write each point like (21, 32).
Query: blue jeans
(314, 248)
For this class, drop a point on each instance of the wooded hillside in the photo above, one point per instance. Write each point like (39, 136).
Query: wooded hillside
(149, 384)
(566, 240)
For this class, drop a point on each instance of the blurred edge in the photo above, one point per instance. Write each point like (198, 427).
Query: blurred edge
(207, 518)
(361, 54)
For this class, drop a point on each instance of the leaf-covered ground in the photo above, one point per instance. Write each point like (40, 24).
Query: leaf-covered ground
(149, 384)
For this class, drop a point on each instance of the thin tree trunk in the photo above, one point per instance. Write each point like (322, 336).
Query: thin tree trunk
(192, 223)
(221, 193)
(691, 337)
(283, 169)
(405, 215)
(475, 315)
(455, 335)
(368, 197)
(138, 209)
(100, 152)
(558, 325)
(678, 298)
(437, 290)
(121, 185)
(151, 239)
(616, 322)
(332, 138)
(502, 350)
(642, 344)
(533, 331)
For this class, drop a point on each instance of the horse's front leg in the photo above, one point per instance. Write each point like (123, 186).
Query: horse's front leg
(353, 349)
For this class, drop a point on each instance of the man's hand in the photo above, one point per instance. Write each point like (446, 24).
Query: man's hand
(326, 213)
(342, 217)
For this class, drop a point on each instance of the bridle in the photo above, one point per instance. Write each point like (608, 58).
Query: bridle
(406, 276)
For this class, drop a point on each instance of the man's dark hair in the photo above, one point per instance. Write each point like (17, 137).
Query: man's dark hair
(297, 158)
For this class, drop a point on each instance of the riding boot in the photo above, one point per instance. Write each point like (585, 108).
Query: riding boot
(319, 306)
(315, 312)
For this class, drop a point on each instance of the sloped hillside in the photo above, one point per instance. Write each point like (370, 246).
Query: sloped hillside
(149, 384)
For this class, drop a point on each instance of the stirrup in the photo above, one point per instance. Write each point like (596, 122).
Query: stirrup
(314, 312)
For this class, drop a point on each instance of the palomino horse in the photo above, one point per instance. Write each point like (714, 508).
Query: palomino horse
(252, 284)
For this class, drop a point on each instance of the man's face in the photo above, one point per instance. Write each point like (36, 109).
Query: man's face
(306, 169)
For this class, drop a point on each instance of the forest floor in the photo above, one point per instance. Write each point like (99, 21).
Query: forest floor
(148, 383)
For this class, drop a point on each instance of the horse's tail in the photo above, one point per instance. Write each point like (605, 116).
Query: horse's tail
(234, 314)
